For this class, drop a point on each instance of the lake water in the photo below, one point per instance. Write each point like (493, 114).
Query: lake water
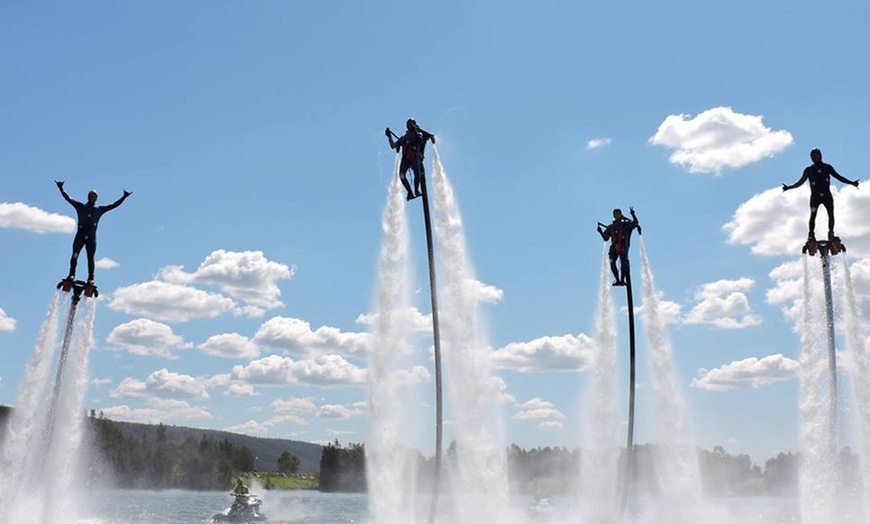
(304, 507)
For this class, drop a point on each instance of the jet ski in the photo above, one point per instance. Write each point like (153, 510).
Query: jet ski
(245, 508)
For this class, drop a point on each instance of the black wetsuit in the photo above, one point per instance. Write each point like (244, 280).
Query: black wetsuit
(88, 219)
(619, 234)
(819, 174)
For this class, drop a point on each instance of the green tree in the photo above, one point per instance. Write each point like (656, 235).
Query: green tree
(288, 463)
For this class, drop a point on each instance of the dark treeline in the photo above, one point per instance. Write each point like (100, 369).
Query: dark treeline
(343, 469)
(556, 469)
(203, 463)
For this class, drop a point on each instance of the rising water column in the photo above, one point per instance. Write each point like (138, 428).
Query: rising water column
(832, 348)
(436, 331)
(632, 374)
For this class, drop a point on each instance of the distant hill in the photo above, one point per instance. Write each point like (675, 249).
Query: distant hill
(266, 450)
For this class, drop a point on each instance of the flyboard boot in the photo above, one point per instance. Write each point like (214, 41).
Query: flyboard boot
(66, 284)
(811, 247)
(834, 244)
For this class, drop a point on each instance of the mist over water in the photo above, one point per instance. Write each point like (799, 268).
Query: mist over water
(42, 446)
(391, 468)
(857, 366)
(600, 456)
(676, 464)
(479, 483)
(27, 421)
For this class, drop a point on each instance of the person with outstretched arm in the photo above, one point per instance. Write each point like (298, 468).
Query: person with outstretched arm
(412, 145)
(619, 235)
(819, 174)
(88, 216)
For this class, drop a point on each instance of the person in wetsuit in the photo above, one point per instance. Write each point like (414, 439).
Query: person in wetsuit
(86, 236)
(619, 234)
(819, 174)
(412, 144)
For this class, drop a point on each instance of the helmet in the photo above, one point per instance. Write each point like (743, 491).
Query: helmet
(92, 192)
(411, 123)
(816, 151)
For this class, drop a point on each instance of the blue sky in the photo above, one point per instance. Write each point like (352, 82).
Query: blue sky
(251, 135)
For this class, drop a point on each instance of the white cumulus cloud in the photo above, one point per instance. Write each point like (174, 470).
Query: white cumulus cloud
(161, 384)
(484, 293)
(7, 323)
(337, 411)
(719, 138)
(21, 216)
(230, 345)
(247, 275)
(171, 302)
(724, 304)
(161, 411)
(751, 372)
(295, 336)
(542, 411)
(323, 370)
(564, 353)
(670, 312)
(251, 427)
(295, 405)
(146, 337)
(106, 263)
(596, 143)
(240, 390)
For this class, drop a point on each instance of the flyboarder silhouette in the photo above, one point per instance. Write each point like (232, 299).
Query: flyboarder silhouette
(413, 145)
(619, 234)
(819, 174)
(86, 236)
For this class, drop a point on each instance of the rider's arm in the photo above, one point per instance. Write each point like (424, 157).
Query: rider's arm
(66, 196)
(843, 179)
(605, 233)
(800, 182)
(116, 203)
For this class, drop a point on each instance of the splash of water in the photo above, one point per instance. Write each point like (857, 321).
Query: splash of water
(63, 458)
(677, 462)
(599, 461)
(41, 487)
(817, 479)
(391, 472)
(26, 425)
(858, 367)
(480, 486)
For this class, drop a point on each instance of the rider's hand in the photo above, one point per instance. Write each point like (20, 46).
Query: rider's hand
(59, 184)
(127, 193)
(388, 133)
(631, 211)
(856, 183)
(784, 187)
